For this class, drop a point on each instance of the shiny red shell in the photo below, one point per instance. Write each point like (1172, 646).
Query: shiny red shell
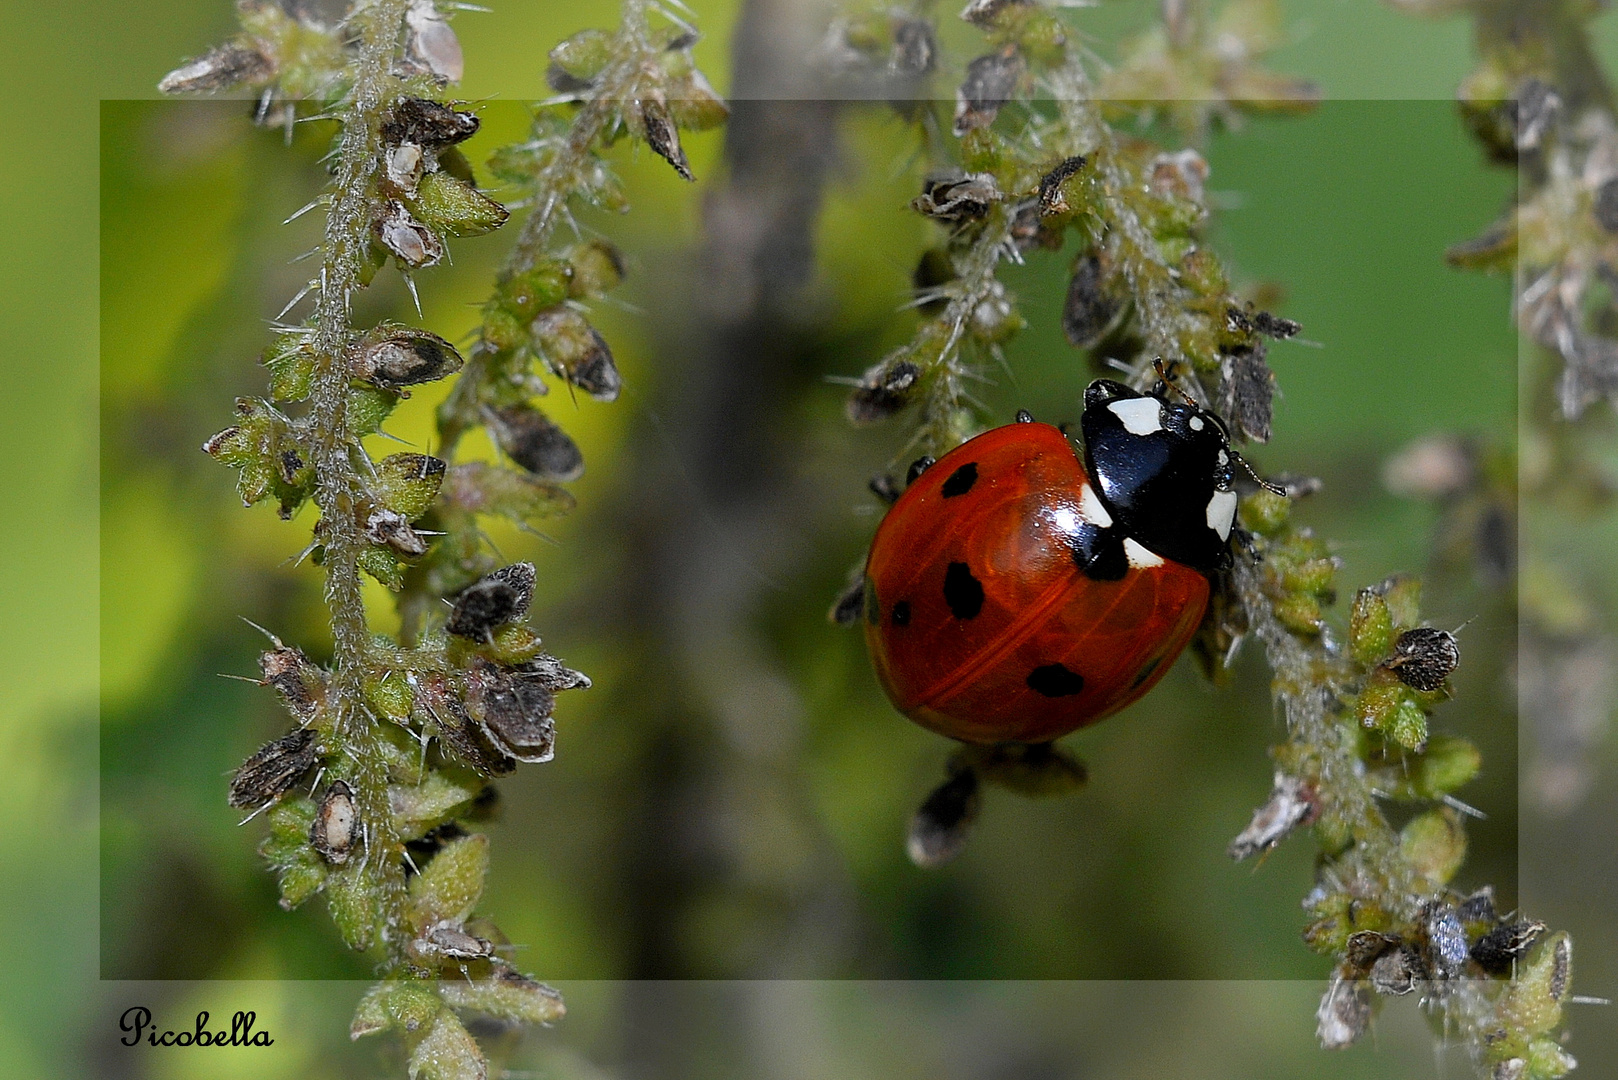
(1048, 649)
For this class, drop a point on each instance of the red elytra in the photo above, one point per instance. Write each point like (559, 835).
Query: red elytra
(982, 626)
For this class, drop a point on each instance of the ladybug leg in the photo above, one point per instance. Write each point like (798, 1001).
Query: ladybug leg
(1033, 769)
(939, 830)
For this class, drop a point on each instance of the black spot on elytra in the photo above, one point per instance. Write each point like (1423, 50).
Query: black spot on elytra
(1055, 680)
(961, 480)
(901, 613)
(962, 592)
(1146, 672)
(1099, 552)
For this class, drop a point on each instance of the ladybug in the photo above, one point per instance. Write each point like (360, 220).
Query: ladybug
(1015, 593)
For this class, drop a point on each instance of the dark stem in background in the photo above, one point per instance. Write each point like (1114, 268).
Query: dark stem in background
(707, 547)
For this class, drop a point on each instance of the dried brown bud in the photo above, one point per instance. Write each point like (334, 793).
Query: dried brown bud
(273, 770)
(1364, 947)
(534, 441)
(393, 356)
(662, 136)
(336, 827)
(219, 68)
(915, 50)
(990, 81)
(939, 830)
(457, 731)
(302, 685)
(1498, 951)
(850, 604)
(1260, 322)
(513, 710)
(430, 124)
(983, 13)
(1092, 308)
(1424, 657)
(492, 601)
(411, 242)
(1291, 804)
(1345, 1011)
(1247, 393)
(1396, 972)
(883, 391)
(961, 198)
(392, 529)
(576, 352)
(432, 44)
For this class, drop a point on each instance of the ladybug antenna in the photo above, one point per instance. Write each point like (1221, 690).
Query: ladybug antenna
(1166, 374)
(1268, 485)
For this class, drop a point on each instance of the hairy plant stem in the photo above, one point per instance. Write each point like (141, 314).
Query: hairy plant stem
(548, 195)
(344, 251)
(1151, 284)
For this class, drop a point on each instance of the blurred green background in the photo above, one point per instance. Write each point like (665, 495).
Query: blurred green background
(729, 802)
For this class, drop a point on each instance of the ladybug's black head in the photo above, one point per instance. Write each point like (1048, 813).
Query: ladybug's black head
(1162, 468)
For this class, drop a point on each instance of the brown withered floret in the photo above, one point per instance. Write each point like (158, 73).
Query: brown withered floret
(663, 137)
(957, 198)
(397, 356)
(1424, 657)
(990, 82)
(492, 601)
(537, 443)
(1246, 393)
(1092, 308)
(882, 392)
(513, 710)
(336, 827)
(458, 732)
(300, 684)
(219, 68)
(1497, 951)
(427, 123)
(273, 770)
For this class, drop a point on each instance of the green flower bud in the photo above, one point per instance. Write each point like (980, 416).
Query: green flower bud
(449, 886)
(417, 808)
(382, 564)
(506, 995)
(503, 331)
(1370, 627)
(292, 369)
(298, 881)
(1408, 724)
(1264, 512)
(447, 1052)
(1547, 1060)
(352, 899)
(546, 285)
(577, 61)
(598, 268)
(694, 105)
(408, 483)
(1447, 763)
(1532, 1004)
(368, 408)
(1435, 844)
(455, 207)
(391, 696)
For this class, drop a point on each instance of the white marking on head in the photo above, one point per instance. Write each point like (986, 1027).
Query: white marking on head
(1196, 423)
(1141, 416)
(1091, 510)
(1139, 557)
(1224, 459)
(1221, 512)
